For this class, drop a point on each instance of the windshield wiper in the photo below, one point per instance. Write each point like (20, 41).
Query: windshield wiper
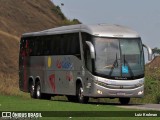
(115, 64)
(124, 59)
(125, 63)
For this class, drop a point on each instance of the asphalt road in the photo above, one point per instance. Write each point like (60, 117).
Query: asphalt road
(142, 106)
(133, 106)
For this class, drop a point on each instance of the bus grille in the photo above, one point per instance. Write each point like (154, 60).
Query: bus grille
(116, 86)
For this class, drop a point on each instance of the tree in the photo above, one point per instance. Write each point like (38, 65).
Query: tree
(156, 51)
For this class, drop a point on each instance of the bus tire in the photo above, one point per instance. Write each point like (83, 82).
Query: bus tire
(41, 95)
(80, 96)
(124, 101)
(32, 90)
(38, 90)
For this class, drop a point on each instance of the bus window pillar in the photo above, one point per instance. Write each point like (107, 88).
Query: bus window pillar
(81, 48)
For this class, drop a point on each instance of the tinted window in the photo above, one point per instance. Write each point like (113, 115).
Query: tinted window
(64, 44)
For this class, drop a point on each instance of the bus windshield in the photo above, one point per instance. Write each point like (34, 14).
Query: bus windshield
(119, 58)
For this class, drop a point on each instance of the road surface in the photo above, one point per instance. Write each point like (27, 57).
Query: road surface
(142, 106)
(132, 106)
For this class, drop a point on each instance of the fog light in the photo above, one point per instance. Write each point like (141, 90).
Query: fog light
(99, 92)
(140, 92)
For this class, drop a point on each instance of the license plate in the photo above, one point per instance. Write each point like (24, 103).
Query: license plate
(121, 93)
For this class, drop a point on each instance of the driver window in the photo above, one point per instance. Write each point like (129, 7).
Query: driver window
(88, 59)
(87, 55)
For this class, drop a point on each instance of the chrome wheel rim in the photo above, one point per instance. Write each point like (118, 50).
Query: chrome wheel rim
(32, 89)
(81, 93)
(38, 91)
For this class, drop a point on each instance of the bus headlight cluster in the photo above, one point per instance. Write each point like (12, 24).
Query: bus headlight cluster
(99, 92)
(140, 92)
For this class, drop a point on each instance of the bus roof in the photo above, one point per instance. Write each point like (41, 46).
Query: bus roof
(101, 30)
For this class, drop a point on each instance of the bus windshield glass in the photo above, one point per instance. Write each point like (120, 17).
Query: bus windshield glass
(119, 58)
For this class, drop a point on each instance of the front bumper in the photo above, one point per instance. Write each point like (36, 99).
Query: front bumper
(102, 92)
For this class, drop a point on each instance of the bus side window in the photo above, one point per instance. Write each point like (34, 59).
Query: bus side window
(38, 50)
(77, 45)
(31, 46)
(22, 49)
(88, 59)
(56, 44)
(47, 46)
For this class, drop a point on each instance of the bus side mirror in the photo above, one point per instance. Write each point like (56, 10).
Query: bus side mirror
(149, 52)
(92, 50)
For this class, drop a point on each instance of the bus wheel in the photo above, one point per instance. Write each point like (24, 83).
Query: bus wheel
(38, 90)
(124, 101)
(41, 95)
(81, 97)
(32, 90)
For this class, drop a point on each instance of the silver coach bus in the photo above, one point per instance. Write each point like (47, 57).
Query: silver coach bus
(83, 61)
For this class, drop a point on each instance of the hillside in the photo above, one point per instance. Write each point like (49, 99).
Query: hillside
(155, 63)
(16, 18)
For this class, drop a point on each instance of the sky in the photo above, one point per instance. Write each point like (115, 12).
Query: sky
(142, 16)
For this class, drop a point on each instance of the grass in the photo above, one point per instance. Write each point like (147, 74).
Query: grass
(17, 103)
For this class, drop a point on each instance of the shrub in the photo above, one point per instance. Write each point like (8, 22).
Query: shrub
(57, 10)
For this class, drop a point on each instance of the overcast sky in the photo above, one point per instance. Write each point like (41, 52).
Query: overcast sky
(142, 16)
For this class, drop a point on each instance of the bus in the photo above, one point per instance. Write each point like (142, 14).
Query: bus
(82, 62)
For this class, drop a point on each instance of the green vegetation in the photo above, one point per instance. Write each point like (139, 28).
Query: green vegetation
(57, 10)
(65, 21)
(70, 22)
(15, 103)
(152, 87)
(156, 50)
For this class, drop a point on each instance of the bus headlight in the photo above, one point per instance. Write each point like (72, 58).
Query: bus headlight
(140, 92)
(99, 92)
